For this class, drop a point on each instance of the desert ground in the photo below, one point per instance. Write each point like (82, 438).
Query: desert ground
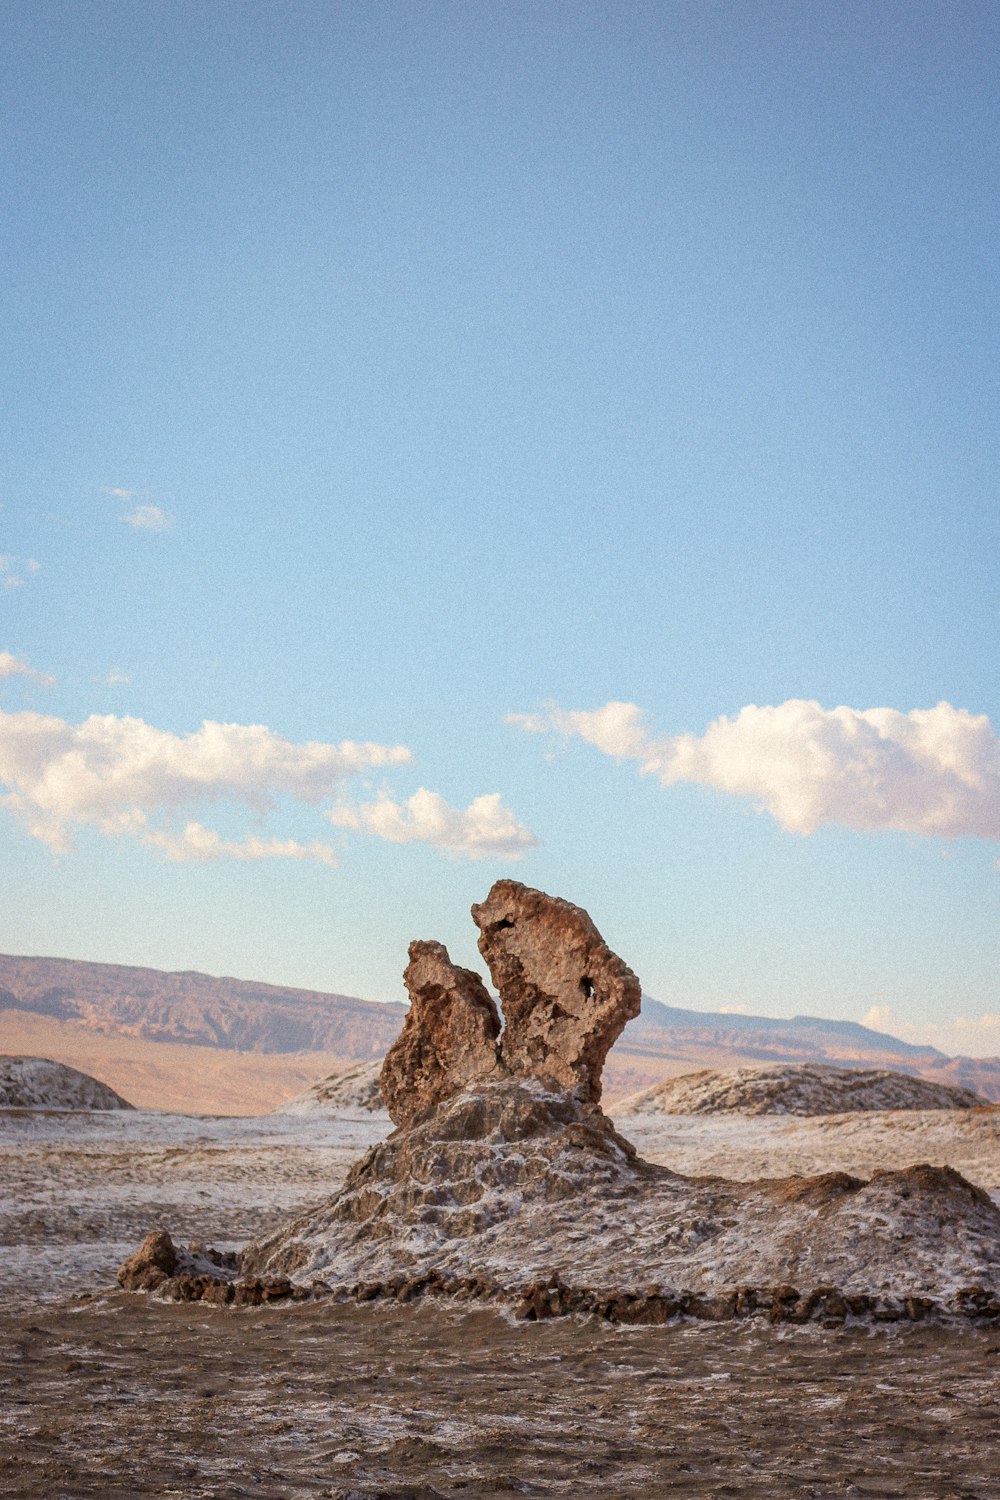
(103, 1393)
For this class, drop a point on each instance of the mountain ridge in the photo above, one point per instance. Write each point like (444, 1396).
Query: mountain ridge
(223, 1014)
(197, 1009)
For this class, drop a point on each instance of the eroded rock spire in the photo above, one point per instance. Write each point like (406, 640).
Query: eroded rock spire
(448, 1038)
(565, 996)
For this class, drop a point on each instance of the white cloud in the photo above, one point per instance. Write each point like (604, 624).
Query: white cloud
(196, 842)
(932, 771)
(125, 777)
(120, 494)
(16, 666)
(965, 1036)
(116, 677)
(485, 828)
(148, 518)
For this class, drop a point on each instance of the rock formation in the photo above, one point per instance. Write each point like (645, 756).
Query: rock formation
(566, 997)
(506, 1181)
(448, 1038)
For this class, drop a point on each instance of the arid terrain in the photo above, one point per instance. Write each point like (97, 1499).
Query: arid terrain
(109, 1394)
(354, 1310)
(340, 1403)
(193, 1042)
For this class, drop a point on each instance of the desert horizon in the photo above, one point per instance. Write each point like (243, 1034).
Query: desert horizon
(498, 515)
(146, 1033)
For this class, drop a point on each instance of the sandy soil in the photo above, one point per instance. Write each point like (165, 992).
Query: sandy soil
(131, 1398)
(117, 1396)
(169, 1075)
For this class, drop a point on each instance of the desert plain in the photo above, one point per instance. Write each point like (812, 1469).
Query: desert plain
(105, 1393)
(502, 1172)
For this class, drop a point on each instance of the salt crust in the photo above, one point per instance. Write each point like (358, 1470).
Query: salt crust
(514, 1181)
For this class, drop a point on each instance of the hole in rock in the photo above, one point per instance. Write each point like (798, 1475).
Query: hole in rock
(587, 986)
(499, 926)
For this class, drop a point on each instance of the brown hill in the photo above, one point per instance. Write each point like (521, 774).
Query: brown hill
(168, 1040)
(197, 1009)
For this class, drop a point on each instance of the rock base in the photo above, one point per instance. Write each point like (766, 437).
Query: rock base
(172, 1274)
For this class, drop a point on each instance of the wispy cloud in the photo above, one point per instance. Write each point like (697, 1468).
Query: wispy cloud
(119, 494)
(483, 829)
(932, 771)
(125, 777)
(196, 842)
(148, 518)
(16, 666)
(116, 677)
(13, 570)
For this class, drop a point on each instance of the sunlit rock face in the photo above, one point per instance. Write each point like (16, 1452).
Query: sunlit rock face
(448, 1038)
(566, 997)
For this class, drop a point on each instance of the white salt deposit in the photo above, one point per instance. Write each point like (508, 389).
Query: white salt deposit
(38, 1083)
(345, 1093)
(794, 1089)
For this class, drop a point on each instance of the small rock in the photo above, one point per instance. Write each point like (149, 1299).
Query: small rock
(150, 1265)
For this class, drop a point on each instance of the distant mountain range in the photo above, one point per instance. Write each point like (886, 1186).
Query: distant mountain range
(713, 1039)
(240, 1015)
(196, 1009)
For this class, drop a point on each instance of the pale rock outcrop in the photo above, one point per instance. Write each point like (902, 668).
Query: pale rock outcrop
(449, 1036)
(566, 997)
(40, 1083)
(351, 1091)
(795, 1089)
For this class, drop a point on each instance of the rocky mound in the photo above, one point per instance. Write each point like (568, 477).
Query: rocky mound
(37, 1083)
(506, 1180)
(355, 1088)
(794, 1089)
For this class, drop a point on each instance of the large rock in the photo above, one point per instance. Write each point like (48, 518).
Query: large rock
(499, 1158)
(566, 997)
(449, 1036)
(511, 1182)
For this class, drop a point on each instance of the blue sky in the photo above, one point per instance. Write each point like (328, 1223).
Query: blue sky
(376, 373)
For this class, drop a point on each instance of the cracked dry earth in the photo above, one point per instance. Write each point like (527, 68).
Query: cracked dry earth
(121, 1396)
